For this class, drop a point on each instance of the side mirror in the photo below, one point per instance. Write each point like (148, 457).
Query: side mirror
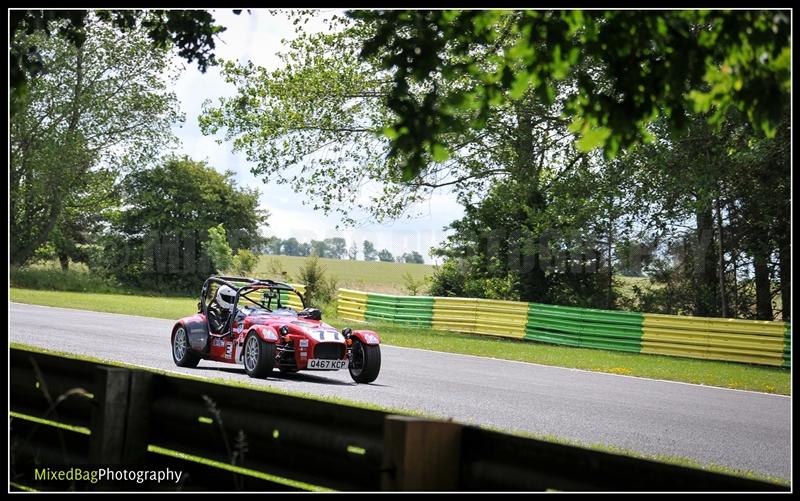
(199, 307)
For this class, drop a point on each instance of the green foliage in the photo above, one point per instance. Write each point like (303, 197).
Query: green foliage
(51, 279)
(218, 250)
(335, 248)
(659, 63)
(244, 262)
(449, 279)
(319, 288)
(192, 32)
(413, 257)
(100, 107)
(385, 256)
(370, 254)
(156, 241)
(414, 286)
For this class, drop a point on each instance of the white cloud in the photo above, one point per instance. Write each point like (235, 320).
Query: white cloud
(258, 37)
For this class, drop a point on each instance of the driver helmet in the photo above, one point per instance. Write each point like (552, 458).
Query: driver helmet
(226, 296)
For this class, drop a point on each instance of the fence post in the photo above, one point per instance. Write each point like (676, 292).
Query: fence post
(109, 415)
(137, 420)
(420, 455)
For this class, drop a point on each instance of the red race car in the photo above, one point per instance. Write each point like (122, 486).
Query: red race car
(248, 321)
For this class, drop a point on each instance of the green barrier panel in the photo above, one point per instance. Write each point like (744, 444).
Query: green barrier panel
(413, 310)
(787, 346)
(584, 327)
(697, 337)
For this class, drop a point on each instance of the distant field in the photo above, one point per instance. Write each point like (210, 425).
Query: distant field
(370, 276)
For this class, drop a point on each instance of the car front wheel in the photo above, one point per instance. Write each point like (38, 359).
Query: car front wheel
(259, 356)
(181, 354)
(365, 362)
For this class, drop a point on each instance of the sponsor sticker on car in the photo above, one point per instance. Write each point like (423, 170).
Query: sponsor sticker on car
(326, 365)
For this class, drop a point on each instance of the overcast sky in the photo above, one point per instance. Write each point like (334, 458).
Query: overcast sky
(257, 37)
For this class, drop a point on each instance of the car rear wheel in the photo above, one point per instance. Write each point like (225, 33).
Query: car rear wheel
(365, 363)
(259, 356)
(181, 353)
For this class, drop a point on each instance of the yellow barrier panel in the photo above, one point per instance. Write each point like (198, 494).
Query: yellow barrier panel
(352, 304)
(501, 318)
(750, 341)
(480, 316)
(454, 313)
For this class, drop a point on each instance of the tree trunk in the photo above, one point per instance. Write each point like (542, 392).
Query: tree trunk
(735, 289)
(721, 263)
(785, 262)
(705, 265)
(610, 291)
(63, 259)
(763, 295)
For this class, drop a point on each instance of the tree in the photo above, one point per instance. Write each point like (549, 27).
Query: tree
(244, 262)
(724, 195)
(222, 257)
(84, 217)
(352, 252)
(156, 239)
(337, 247)
(413, 257)
(218, 249)
(272, 245)
(320, 248)
(291, 247)
(192, 32)
(328, 99)
(717, 59)
(101, 107)
(385, 256)
(369, 251)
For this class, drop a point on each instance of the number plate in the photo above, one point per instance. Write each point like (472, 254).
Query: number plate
(326, 365)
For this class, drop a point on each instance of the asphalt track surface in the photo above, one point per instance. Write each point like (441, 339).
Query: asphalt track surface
(737, 429)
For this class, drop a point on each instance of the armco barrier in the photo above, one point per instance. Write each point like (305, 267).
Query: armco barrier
(352, 305)
(749, 341)
(584, 327)
(67, 413)
(414, 310)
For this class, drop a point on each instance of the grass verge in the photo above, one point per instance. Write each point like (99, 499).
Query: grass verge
(712, 373)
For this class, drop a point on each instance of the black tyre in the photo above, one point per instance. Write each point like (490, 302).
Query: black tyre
(365, 363)
(259, 356)
(181, 351)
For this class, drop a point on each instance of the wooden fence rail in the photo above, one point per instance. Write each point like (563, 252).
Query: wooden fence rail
(67, 412)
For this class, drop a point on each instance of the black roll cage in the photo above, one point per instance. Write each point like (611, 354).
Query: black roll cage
(251, 284)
